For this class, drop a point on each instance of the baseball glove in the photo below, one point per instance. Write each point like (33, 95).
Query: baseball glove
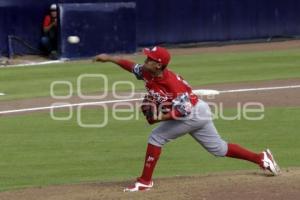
(149, 108)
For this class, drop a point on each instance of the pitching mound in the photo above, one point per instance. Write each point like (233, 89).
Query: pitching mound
(233, 185)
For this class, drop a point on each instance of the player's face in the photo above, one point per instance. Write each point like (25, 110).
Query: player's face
(152, 66)
(53, 14)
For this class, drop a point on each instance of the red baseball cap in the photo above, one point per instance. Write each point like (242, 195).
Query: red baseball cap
(159, 54)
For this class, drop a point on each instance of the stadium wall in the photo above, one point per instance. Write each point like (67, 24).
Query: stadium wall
(216, 20)
(170, 21)
(105, 27)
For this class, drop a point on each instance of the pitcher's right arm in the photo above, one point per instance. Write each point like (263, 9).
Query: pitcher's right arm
(125, 64)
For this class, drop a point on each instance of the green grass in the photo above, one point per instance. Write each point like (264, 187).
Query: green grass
(197, 69)
(236, 67)
(38, 151)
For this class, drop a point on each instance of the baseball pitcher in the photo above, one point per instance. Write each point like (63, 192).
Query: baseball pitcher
(171, 103)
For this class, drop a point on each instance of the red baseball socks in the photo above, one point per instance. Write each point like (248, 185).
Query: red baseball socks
(152, 155)
(236, 151)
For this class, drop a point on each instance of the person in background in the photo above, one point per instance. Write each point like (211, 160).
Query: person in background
(50, 31)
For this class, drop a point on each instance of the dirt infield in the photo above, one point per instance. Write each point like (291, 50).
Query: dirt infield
(252, 185)
(251, 47)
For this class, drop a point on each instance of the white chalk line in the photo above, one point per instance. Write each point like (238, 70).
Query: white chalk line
(1, 94)
(66, 105)
(34, 63)
(260, 89)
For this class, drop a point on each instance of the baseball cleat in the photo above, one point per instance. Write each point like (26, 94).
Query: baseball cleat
(138, 186)
(269, 163)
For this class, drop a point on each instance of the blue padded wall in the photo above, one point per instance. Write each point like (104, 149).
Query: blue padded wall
(24, 18)
(101, 27)
(169, 21)
(24, 21)
(175, 21)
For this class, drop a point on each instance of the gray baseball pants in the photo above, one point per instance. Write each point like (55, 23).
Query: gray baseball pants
(198, 124)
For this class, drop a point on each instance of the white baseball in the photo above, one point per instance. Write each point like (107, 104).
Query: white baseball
(73, 39)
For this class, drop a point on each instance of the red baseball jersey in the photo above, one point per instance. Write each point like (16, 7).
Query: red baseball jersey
(47, 21)
(170, 89)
